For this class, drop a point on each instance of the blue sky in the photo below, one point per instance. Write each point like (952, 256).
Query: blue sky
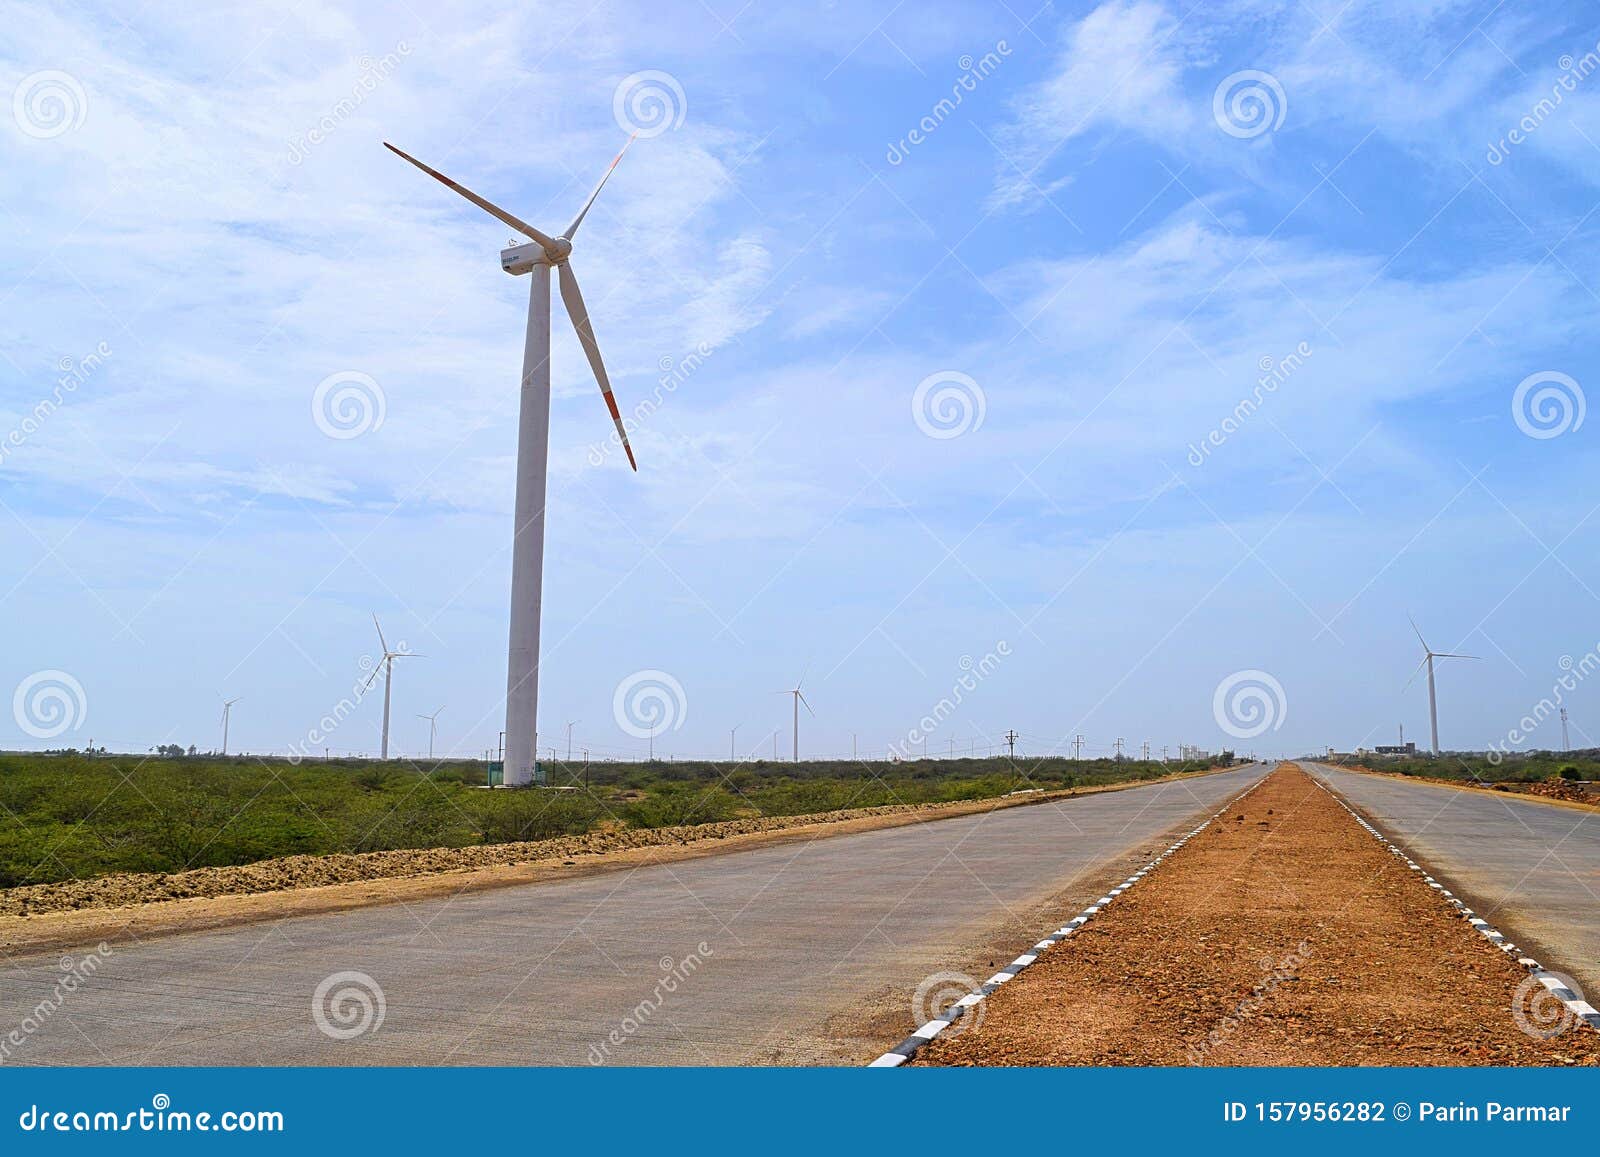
(1097, 248)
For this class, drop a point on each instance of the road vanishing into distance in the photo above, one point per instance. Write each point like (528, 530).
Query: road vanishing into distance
(1531, 869)
(735, 958)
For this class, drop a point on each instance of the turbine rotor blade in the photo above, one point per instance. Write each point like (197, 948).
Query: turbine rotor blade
(572, 296)
(808, 705)
(371, 679)
(1418, 630)
(381, 641)
(1417, 672)
(583, 212)
(488, 207)
(1454, 655)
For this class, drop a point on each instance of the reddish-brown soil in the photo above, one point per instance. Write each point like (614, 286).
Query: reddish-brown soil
(1283, 935)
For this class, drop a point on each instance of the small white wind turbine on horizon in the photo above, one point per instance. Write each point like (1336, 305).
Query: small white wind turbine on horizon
(799, 698)
(533, 451)
(433, 726)
(386, 668)
(227, 713)
(1428, 656)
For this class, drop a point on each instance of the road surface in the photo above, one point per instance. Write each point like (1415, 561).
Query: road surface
(735, 958)
(1530, 869)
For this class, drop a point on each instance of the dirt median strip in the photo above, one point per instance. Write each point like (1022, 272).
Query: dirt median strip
(1281, 934)
(49, 916)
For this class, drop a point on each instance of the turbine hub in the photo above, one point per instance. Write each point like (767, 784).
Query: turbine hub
(560, 249)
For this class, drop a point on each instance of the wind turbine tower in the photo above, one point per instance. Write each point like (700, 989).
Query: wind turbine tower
(227, 712)
(799, 698)
(1428, 656)
(432, 727)
(536, 259)
(1565, 745)
(386, 668)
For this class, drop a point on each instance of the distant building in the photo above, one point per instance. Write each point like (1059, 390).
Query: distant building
(1407, 748)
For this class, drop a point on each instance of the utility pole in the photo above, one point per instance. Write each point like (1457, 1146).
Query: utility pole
(774, 747)
(1119, 749)
(1011, 742)
(652, 743)
(1163, 753)
(852, 745)
(952, 747)
(1565, 746)
(1077, 746)
(1145, 757)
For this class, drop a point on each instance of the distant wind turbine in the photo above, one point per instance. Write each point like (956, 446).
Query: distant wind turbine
(799, 698)
(1428, 656)
(387, 669)
(432, 727)
(227, 711)
(533, 450)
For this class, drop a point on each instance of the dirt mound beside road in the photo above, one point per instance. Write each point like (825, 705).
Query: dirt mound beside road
(1283, 935)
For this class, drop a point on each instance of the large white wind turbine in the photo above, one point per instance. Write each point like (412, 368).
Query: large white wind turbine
(386, 667)
(1428, 656)
(533, 449)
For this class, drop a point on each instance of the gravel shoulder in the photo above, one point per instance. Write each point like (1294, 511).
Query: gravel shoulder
(45, 917)
(1283, 935)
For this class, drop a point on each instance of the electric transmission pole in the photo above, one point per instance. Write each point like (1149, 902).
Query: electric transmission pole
(1119, 749)
(1011, 742)
(1077, 746)
(1145, 756)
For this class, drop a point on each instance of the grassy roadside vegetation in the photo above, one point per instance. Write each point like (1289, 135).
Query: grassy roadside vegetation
(70, 816)
(1473, 767)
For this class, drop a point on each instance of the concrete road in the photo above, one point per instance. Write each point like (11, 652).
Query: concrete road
(1528, 868)
(736, 958)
